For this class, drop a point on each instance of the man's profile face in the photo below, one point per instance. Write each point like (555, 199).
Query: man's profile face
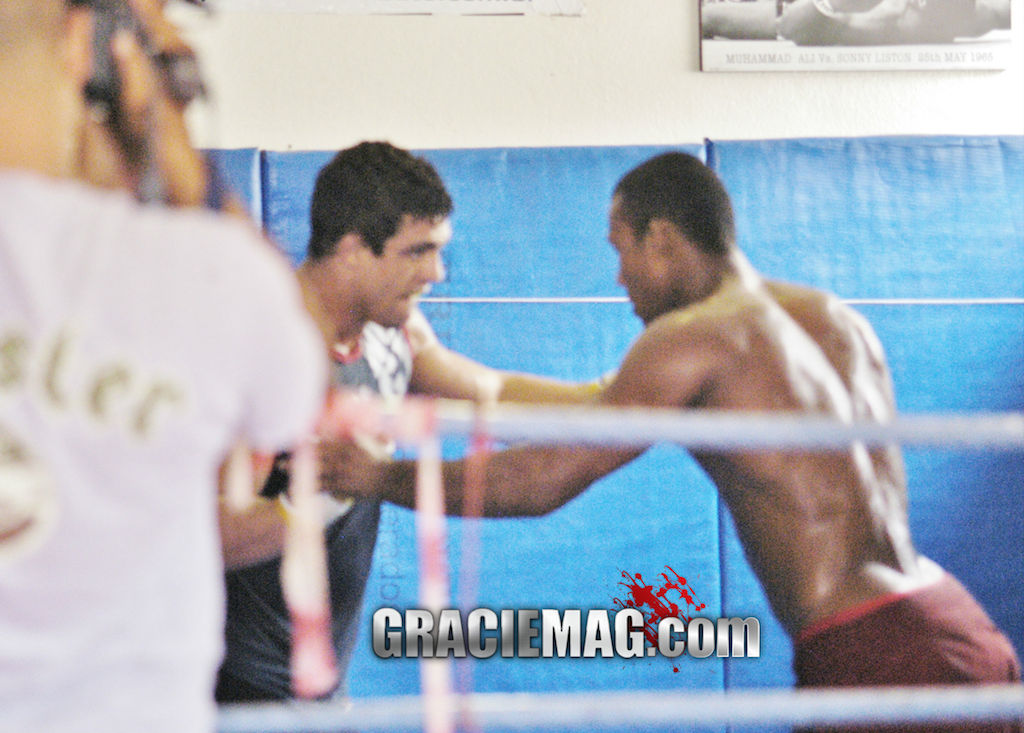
(635, 264)
(410, 263)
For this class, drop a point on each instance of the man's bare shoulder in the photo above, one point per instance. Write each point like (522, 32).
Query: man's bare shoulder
(676, 357)
(843, 333)
(697, 326)
(818, 311)
(804, 298)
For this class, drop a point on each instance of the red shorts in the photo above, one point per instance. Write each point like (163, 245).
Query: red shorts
(937, 635)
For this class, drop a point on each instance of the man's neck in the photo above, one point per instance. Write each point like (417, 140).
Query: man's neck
(733, 270)
(340, 322)
(27, 147)
(739, 270)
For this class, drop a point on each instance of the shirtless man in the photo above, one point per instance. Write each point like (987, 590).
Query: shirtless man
(138, 343)
(826, 532)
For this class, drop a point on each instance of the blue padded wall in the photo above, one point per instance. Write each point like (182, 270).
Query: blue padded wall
(909, 229)
(533, 222)
(882, 217)
(288, 181)
(242, 173)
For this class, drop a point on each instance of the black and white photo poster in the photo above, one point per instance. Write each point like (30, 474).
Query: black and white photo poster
(840, 35)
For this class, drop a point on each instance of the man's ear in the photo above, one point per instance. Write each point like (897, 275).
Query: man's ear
(665, 238)
(350, 247)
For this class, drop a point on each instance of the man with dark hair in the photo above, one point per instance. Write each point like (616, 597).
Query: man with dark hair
(138, 344)
(368, 189)
(683, 191)
(380, 221)
(826, 532)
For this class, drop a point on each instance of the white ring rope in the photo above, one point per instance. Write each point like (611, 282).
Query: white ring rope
(697, 429)
(590, 711)
(622, 299)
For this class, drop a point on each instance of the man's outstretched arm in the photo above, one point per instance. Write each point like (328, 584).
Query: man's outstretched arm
(519, 482)
(667, 367)
(440, 372)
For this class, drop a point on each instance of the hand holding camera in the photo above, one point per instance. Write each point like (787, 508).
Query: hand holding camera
(143, 77)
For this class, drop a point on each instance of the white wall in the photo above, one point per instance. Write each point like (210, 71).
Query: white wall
(624, 73)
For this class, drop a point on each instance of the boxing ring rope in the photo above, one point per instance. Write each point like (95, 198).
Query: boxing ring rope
(699, 429)
(593, 711)
(419, 422)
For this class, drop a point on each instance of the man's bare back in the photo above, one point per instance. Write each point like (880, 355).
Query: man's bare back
(824, 530)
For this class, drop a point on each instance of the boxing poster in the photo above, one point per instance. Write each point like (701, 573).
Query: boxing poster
(855, 35)
(410, 7)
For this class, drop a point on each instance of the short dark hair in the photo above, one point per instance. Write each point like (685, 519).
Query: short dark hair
(367, 190)
(679, 188)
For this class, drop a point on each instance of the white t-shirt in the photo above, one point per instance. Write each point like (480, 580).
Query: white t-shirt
(136, 344)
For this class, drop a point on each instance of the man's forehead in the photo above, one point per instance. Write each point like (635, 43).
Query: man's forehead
(616, 213)
(417, 229)
(615, 209)
(429, 221)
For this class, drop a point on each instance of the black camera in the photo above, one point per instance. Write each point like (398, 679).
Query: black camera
(103, 90)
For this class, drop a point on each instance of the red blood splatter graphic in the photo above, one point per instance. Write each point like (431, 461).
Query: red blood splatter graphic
(657, 604)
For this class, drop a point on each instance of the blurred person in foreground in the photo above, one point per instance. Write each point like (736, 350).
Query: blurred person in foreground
(138, 344)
